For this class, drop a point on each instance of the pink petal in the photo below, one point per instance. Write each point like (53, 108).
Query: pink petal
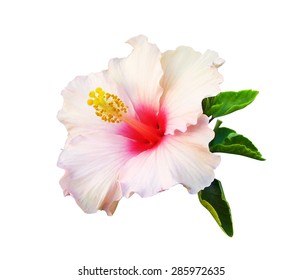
(181, 158)
(189, 76)
(139, 74)
(92, 163)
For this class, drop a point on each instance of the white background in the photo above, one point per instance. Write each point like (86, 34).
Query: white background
(45, 44)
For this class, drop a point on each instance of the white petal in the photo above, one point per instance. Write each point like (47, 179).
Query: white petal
(181, 158)
(189, 77)
(139, 74)
(92, 163)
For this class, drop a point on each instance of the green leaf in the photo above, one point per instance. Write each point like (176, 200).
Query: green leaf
(227, 102)
(229, 141)
(213, 199)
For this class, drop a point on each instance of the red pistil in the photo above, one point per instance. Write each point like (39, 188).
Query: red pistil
(146, 131)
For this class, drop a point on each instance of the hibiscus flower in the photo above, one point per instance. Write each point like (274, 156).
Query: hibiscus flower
(138, 127)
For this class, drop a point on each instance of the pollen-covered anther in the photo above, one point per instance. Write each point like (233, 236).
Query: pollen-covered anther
(109, 107)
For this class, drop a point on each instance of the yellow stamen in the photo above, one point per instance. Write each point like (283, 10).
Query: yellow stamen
(109, 107)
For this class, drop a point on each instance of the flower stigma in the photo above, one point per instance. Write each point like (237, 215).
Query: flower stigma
(109, 107)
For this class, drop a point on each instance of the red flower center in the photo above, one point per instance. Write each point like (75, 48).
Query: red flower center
(146, 131)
